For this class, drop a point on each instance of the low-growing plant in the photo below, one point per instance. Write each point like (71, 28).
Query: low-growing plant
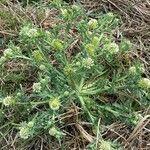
(77, 61)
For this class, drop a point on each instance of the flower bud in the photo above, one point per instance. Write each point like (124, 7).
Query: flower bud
(9, 100)
(38, 56)
(66, 93)
(90, 49)
(30, 124)
(105, 145)
(93, 24)
(57, 44)
(65, 13)
(8, 53)
(36, 87)
(132, 70)
(88, 63)
(125, 45)
(69, 70)
(2, 60)
(144, 83)
(95, 41)
(112, 48)
(53, 131)
(24, 132)
(54, 104)
(42, 67)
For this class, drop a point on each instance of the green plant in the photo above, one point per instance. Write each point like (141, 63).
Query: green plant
(76, 61)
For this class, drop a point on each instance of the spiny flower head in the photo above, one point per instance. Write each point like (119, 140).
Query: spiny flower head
(144, 83)
(36, 87)
(54, 104)
(93, 24)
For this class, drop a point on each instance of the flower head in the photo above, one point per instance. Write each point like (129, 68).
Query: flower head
(132, 70)
(93, 24)
(55, 104)
(38, 56)
(36, 87)
(144, 83)
(28, 31)
(105, 145)
(65, 13)
(8, 53)
(9, 100)
(42, 67)
(53, 131)
(76, 8)
(95, 41)
(2, 60)
(57, 44)
(112, 48)
(24, 132)
(90, 49)
(69, 70)
(32, 33)
(88, 62)
(125, 45)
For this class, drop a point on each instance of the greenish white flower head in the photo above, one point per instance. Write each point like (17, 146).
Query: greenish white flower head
(8, 53)
(30, 32)
(132, 70)
(24, 132)
(69, 70)
(2, 59)
(38, 55)
(88, 63)
(53, 131)
(112, 48)
(93, 24)
(54, 104)
(30, 124)
(90, 49)
(42, 67)
(9, 100)
(65, 13)
(36, 87)
(57, 44)
(144, 83)
(76, 8)
(95, 41)
(105, 145)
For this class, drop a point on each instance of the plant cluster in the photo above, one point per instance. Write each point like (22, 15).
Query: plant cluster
(77, 61)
